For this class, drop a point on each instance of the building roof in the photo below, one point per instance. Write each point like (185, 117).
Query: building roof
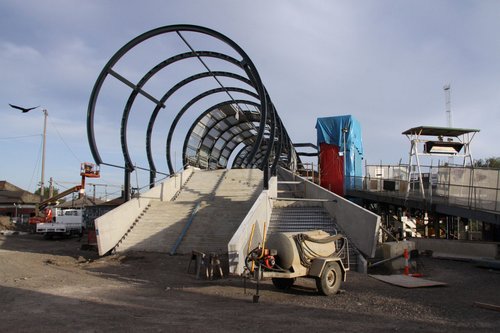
(10, 194)
(439, 131)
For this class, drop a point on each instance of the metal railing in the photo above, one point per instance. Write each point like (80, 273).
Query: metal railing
(473, 188)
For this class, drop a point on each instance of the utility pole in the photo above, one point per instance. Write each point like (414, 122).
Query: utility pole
(51, 187)
(42, 180)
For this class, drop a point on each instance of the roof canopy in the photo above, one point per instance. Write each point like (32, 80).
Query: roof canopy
(439, 131)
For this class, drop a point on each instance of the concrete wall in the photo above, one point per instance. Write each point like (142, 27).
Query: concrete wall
(360, 225)
(458, 249)
(258, 218)
(111, 227)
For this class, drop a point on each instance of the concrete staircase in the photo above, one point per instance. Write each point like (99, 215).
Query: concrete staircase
(297, 216)
(224, 198)
(300, 218)
(158, 228)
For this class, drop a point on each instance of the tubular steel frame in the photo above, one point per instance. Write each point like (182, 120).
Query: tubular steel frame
(261, 142)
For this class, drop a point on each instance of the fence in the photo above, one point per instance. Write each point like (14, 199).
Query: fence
(474, 188)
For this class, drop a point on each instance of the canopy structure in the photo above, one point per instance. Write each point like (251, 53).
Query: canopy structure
(436, 141)
(439, 131)
(238, 122)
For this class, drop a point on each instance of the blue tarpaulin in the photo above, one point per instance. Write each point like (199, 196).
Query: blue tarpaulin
(330, 130)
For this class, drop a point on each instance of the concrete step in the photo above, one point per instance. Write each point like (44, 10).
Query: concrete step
(299, 219)
(226, 197)
(157, 230)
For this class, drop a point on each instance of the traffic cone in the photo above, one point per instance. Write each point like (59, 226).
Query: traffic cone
(407, 266)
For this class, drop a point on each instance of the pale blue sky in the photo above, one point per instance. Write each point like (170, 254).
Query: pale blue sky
(385, 62)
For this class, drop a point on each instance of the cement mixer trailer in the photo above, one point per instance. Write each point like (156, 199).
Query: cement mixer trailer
(311, 254)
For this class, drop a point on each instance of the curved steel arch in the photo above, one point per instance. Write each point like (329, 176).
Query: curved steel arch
(246, 64)
(243, 135)
(187, 106)
(169, 93)
(240, 161)
(208, 129)
(138, 87)
(230, 139)
(208, 111)
(269, 137)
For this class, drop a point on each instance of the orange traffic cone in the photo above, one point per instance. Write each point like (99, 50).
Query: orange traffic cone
(407, 266)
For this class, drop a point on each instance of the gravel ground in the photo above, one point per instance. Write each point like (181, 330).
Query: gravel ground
(54, 285)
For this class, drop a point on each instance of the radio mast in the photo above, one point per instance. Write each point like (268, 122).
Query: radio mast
(447, 97)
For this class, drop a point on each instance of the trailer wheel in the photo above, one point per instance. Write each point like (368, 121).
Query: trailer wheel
(330, 280)
(283, 283)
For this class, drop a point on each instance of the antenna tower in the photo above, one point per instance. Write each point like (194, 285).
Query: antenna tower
(447, 97)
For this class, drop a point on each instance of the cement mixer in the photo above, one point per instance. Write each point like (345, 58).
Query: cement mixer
(313, 254)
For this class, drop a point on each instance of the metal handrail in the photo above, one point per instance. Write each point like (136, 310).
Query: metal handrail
(185, 229)
(438, 190)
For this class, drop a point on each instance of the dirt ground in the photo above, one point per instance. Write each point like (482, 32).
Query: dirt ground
(54, 285)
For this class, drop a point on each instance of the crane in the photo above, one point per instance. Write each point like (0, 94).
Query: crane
(87, 170)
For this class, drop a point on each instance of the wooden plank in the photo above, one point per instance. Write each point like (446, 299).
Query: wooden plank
(406, 281)
(488, 306)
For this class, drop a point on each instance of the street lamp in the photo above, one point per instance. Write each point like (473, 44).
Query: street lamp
(45, 113)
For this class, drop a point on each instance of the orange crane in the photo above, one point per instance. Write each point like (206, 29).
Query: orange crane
(43, 213)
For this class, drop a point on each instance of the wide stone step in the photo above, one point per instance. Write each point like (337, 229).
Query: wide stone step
(225, 196)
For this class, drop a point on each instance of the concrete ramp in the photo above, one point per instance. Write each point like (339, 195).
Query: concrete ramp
(223, 198)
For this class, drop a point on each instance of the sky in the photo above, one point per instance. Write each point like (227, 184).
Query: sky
(383, 61)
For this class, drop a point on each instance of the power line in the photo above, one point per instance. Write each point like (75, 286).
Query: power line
(63, 141)
(19, 137)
